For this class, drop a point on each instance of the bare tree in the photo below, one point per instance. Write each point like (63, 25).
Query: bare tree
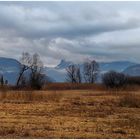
(86, 72)
(90, 71)
(78, 75)
(35, 66)
(25, 64)
(94, 71)
(23, 81)
(73, 74)
(37, 78)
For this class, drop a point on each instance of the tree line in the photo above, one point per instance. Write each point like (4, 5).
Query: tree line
(90, 72)
(36, 79)
(31, 74)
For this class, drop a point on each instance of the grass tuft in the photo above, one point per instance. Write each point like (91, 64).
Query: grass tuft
(130, 100)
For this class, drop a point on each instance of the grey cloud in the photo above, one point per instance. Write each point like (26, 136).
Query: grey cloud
(37, 22)
(73, 31)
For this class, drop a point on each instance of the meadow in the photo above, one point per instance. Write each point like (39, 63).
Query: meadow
(70, 113)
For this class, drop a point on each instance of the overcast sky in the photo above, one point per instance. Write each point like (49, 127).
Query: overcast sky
(75, 31)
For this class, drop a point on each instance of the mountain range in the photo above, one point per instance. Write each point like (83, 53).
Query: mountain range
(133, 70)
(9, 68)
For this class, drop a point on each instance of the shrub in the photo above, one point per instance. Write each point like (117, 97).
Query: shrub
(114, 79)
(130, 100)
(70, 86)
(133, 80)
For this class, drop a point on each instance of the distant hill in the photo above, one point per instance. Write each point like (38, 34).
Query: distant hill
(58, 73)
(118, 66)
(8, 65)
(9, 68)
(133, 70)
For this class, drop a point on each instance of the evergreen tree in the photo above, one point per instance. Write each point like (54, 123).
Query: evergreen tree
(2, 80)
(6, 82)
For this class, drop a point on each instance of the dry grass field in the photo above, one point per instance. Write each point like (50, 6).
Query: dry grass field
(69, 114)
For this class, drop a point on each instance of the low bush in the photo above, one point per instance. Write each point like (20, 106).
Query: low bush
(130, 100)
(114, 79)
(73, 86)
(133, 80)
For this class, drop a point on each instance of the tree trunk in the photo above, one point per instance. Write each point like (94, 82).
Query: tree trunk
(18, 80)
